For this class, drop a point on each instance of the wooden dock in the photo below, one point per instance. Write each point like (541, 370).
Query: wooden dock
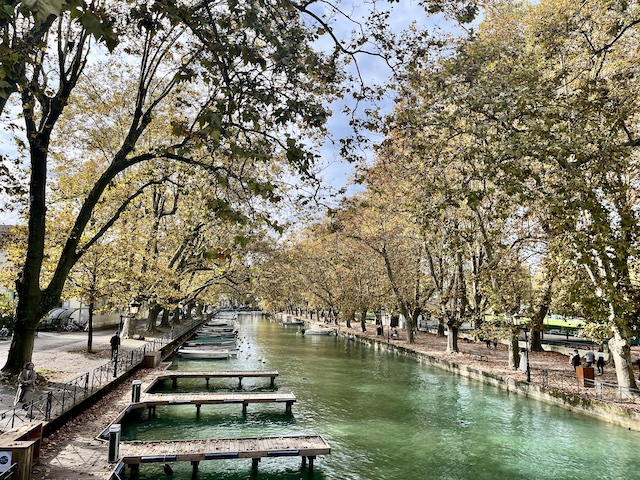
(195, 451)
(151, 401)
(174, 376)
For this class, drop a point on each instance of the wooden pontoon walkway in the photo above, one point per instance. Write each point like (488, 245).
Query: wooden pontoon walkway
(174, 376)
(195, 451)
(151, 401)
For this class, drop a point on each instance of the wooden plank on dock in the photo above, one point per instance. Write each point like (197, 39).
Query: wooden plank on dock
(198, 399)
(174, 376)
(213, 398)
(223, 448)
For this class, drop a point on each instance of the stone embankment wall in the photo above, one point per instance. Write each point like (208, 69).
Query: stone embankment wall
(608, 412)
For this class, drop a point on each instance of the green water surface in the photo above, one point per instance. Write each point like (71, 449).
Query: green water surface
(385, 417)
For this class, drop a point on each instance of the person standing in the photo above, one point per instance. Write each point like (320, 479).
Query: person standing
(589, 357)
(115, 344)
(26, 385)
(600, 364)
(522, 366)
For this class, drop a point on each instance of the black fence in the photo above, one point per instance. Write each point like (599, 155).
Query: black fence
(586, 387)
(64, 397)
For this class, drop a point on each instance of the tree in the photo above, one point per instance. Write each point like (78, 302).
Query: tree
(256, 76)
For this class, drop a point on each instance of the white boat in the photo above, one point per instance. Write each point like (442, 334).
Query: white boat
(204, 354)
(219, 342)
(204, 333)
(318, 330)
(216, 330)
(293, 323)
(221, 324)
(210, 328)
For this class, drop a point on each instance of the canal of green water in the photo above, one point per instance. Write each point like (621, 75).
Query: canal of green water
(385, 417)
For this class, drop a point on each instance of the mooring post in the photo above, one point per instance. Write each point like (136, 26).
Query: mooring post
(174, 382)
(136, 388)
(273, 381)
(244, 409)
(254, 465)
(207, 382)
(304, 461)
(239, 382)
(311, 459)
(134, 469)
(288, 407)
(194, 468)
(198, 410)
(114, 443)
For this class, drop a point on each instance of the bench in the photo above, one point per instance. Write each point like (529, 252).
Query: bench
(478, 355)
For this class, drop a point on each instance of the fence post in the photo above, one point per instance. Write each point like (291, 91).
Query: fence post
(47, 413)
(86, 383)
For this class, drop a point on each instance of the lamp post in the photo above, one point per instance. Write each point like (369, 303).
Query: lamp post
(526, 351)
(134, 306)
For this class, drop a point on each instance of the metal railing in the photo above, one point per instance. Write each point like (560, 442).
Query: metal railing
(586, 388)
(63, 397)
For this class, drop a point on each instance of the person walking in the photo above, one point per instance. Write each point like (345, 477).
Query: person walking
(575, 359)
(26, 385)
(115, 344)
(589, 357)
(600, 364)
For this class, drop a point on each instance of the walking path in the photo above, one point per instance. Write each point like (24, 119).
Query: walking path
(73, 452)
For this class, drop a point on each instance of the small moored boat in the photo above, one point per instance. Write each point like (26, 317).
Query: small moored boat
(204, 354)
(318, 330)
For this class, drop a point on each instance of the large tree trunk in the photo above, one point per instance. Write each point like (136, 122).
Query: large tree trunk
(177, 316)
(129, 327)
(90, 329)
(363, 319)
(620, 349)
(537, 320)
(164, 322)
(441, 327)
(514, 349)
(154, 310)
(28, 315)
(452, 339)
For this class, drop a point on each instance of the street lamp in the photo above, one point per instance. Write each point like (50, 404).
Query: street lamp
(526, 351)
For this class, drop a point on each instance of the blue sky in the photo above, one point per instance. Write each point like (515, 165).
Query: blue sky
(335, 171)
